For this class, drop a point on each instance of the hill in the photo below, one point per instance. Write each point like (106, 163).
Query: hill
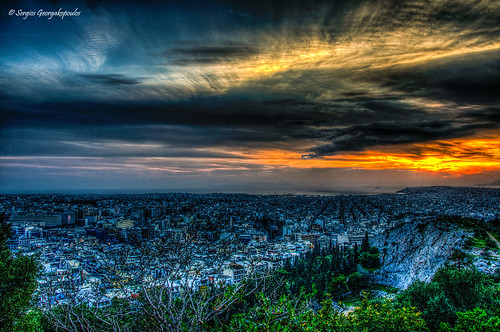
(416, 250)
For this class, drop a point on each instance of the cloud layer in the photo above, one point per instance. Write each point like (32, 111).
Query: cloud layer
(230, 84)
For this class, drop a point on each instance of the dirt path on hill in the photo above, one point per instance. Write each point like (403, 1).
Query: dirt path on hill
(493, 238)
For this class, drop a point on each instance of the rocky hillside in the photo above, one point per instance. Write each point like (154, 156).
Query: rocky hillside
(416, 250)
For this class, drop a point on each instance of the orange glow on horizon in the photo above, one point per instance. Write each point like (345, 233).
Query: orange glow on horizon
(457, 156)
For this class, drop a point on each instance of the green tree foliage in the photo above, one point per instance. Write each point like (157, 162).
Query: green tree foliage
(439, 309)
(315, 270)
(17, 284)
(476, 320)
(385, 317)
(365, 244)
(419, 294)
(370, 259)
(465, 288)
(32, 321)
(461, 258)
(284, 314)
(337, 287)
(324, 271)
(451, 291)
(357, 281)
(356, 253)
(292, 315)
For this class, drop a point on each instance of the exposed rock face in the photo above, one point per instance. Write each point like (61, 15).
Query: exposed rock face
(415, 251)
(486, 260)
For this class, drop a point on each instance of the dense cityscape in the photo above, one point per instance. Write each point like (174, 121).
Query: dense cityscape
(69, 232)
(220, 166)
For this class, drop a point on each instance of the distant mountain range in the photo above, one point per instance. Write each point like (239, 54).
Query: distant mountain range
(494, 183)
(437, 189)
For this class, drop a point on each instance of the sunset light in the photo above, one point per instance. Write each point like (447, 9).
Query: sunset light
(234, 96)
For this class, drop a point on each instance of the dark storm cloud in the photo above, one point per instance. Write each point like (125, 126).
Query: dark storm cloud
(354, 124)
(474, 78)
(200, 54)
(489, 115)
(109, 79)
(198, 79)
(195, 112)
(196, 123)
(279, 10)
(361, 137)
(107, 143)
(467, 13)
(233, 120)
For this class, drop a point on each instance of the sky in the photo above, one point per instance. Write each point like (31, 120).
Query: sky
(249, 96)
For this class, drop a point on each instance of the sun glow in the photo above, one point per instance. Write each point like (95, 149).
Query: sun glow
(458, 156)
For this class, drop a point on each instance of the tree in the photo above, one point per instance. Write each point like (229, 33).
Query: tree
(384, 318)
(295, 314)
(370, 259)
(365, 244)
(286, 313)
(162, 284)
(338, 287)
(439, 309)
(463, 287)
(452, 290)
(17, 282)
(476, 320)
(460, 257)
(356, 253)
(418, 294)
(357, 281)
